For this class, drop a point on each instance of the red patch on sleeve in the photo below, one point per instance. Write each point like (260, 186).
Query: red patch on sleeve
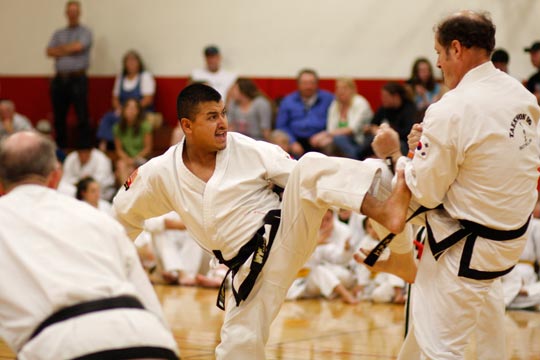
(130, 179)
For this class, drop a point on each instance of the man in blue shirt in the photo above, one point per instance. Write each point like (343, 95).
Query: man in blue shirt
(302, 114)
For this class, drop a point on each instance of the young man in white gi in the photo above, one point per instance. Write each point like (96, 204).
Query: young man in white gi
(478, 157)
(219, 184)
(71, 285)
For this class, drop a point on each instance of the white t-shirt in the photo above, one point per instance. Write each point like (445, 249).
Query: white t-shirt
(148, 84)
(220, 80)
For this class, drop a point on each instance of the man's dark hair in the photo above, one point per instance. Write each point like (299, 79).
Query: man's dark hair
(19, 163)
(189, 99)
(471, 29)
(395, 88)
(307, 71)
(500, 56)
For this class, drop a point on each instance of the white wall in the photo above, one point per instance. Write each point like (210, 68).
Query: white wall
(263, 38)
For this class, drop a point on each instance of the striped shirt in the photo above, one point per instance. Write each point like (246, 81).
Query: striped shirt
(73, 62)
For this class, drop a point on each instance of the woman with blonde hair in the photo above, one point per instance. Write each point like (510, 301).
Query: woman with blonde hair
(348, 116)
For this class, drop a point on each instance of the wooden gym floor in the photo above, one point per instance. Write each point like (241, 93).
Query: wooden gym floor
(317, 329)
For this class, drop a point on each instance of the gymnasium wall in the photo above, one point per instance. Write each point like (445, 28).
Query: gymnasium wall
(373, 41)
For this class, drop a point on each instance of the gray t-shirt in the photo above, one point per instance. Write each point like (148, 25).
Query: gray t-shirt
(74, 62)
(254, 121)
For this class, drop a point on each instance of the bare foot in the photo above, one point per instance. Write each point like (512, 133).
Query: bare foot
(402, 265)
(345, 295)
(397, 204)
(207, 282)
(392, 212)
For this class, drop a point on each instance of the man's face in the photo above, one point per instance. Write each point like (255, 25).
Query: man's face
(447, 62)
(6, 112)
(73, 13)
(307, 85)
(208, 131)
(535, 58)
(84, 155)
(213, 62)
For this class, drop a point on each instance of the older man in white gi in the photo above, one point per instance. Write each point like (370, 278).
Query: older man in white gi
(71, 285)
(219, 183)
(477, 162)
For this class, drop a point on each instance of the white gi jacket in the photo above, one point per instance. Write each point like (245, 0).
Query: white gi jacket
(481, 165)
(99, 167)
(222, 214)
(56, 251)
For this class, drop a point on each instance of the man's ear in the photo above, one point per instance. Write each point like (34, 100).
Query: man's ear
(456, 48)
(185, 123)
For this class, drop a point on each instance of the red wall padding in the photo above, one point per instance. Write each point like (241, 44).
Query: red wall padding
(31, 94)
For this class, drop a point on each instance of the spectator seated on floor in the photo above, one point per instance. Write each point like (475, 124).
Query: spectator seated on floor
(89, 161)
(88, 190)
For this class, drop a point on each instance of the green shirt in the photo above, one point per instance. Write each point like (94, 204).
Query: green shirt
(132, 144)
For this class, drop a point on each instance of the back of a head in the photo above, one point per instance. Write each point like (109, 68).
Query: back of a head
(395, 88)
(191, 96)
(471, 29)
(500, 56)
(26, 154)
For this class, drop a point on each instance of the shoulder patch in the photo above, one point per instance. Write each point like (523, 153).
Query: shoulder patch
(130, 179)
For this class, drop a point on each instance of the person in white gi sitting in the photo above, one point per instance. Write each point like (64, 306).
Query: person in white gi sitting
(326, 273)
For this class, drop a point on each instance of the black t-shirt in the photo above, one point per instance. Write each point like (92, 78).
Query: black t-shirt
(533, 84)
(401, 119)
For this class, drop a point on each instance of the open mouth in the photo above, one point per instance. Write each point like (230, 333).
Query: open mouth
(221, 135)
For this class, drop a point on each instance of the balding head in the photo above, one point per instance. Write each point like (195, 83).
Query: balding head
(27, 157)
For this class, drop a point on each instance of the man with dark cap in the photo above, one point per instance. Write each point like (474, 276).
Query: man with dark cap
(533, 84)
(213, 74)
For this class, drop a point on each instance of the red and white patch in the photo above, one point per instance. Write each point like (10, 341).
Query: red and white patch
(131, 178)
(422, 149)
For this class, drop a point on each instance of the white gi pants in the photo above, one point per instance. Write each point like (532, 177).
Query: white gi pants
(447, 309)
(316, 183)
(323, 279)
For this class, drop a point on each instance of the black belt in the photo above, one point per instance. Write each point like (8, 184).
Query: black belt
(376, 252)
(260, 250)
(471, 231)
(88, 307)
(137, 352)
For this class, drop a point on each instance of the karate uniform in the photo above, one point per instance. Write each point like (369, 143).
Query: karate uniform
(478, 157)
(176, 250)
(326, 268)
(378, 287)
(57, 252)
(99, 167)
(225, 212)
(523, 275)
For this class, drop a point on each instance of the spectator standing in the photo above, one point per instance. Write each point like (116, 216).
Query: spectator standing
(70, 48)
(213, 75)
